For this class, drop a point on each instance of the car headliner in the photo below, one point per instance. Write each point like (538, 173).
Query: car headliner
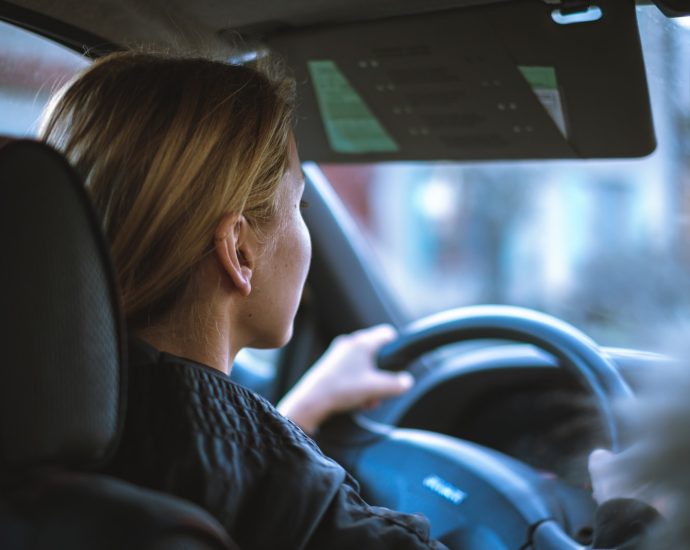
(181, 25)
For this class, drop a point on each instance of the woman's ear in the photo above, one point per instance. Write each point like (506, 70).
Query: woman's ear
(235, 244)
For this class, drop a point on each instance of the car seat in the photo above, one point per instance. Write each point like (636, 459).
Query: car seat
(62, 388)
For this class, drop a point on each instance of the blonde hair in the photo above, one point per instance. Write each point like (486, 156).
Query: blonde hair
(167, 146)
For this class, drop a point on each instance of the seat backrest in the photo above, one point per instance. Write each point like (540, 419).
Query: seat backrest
(61, 397)
(62, 388)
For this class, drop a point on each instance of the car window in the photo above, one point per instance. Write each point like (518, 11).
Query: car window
(602, 244)
(31, 68)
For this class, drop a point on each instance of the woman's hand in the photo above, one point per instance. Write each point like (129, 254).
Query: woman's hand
(345, 378)
(608, 474)
(612, 478)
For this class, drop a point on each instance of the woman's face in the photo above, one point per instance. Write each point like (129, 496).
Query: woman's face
(281, 269)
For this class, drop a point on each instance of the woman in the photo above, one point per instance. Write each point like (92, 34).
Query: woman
(193, 167)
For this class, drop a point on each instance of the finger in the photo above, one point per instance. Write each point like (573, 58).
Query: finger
(388, 384)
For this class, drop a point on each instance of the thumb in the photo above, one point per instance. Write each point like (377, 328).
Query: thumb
(599, 459)
(375, 337)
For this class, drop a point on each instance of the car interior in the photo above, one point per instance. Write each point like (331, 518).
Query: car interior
(491, 442)
(63, 405)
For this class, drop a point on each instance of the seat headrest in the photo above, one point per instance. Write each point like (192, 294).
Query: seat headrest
(61, 345)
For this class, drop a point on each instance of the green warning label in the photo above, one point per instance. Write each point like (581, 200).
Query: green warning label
(539, 77)
(350, 125)
(542, 80)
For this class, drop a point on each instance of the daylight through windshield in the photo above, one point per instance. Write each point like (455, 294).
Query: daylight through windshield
(601, 244)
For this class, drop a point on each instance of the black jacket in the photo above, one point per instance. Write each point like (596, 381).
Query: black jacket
(192, 432)
(623, 524)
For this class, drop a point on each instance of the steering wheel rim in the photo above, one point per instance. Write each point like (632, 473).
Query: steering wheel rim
(576, 352)
(357, 440)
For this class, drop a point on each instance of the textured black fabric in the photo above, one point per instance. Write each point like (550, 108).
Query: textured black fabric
(58, 510)
(62, 391)
(622, 523)
(60, 397)
(193, 432)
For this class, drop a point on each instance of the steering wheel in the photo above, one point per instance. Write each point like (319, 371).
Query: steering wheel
(475, 498)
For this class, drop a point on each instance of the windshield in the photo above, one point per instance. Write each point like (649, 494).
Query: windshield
(601, 244)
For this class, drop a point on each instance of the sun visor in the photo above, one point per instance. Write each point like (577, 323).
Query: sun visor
(507, 81)
(674, 8)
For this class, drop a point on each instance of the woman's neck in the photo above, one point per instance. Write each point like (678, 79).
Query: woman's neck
(204, 323)
(207, 343)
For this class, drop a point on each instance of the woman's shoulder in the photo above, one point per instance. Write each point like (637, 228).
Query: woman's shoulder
(205, 401)
(193, 432)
